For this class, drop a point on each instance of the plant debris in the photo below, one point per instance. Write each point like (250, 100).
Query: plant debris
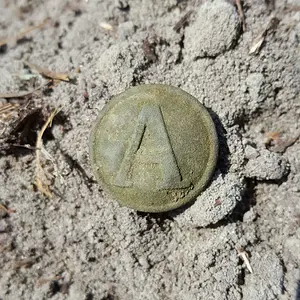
(21, 94)
(7, 109)
(42, 176)
(183, 21)
(241, 14)
(21, 34)
(20, 130)
(258, 41)
(245, 257)
(47, 73)
(276, 144)
(19, 119)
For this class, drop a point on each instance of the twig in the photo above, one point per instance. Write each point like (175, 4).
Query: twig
(24, 146)
(47, 73)
(23, 33)
(40, 173)
(244, 255)
(241, 14)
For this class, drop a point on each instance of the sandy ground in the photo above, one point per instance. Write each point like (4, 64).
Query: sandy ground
(82, 245)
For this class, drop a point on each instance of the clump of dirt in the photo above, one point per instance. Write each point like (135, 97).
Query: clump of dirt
(212, 33)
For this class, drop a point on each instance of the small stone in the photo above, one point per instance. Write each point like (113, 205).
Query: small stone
(154, 148)
(249, 216)
(251, 152)
(214, 31)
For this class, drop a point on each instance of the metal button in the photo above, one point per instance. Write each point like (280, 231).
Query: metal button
(153, 148)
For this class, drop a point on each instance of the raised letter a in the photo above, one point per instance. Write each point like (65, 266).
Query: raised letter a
(151, 118)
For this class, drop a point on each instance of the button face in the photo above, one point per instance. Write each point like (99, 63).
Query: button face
(153, 148)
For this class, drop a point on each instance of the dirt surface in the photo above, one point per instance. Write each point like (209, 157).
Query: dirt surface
(82, 245)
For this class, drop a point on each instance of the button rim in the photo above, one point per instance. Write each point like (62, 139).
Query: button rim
(201, 183)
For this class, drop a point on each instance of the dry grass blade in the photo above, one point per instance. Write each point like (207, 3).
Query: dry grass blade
(7, 113)
(24, 146)
(257, 44)
(244, 255)
(241, 14)
(47, 73)
(41, 175)
(20, 94)
(6, 110)
(258, 41)
(23, 33)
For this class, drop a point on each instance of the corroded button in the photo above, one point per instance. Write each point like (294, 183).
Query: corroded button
(154, 147)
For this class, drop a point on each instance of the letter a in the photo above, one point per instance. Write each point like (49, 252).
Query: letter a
(151, 117)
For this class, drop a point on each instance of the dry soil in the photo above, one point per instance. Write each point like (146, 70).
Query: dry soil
(80, 244)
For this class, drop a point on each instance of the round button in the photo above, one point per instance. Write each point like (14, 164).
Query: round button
(153, 148)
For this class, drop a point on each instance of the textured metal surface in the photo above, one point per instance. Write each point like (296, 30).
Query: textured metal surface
(153, 148)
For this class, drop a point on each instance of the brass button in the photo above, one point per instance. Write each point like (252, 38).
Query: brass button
(153, 148)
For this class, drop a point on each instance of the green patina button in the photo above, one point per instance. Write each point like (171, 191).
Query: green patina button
(154, 148)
